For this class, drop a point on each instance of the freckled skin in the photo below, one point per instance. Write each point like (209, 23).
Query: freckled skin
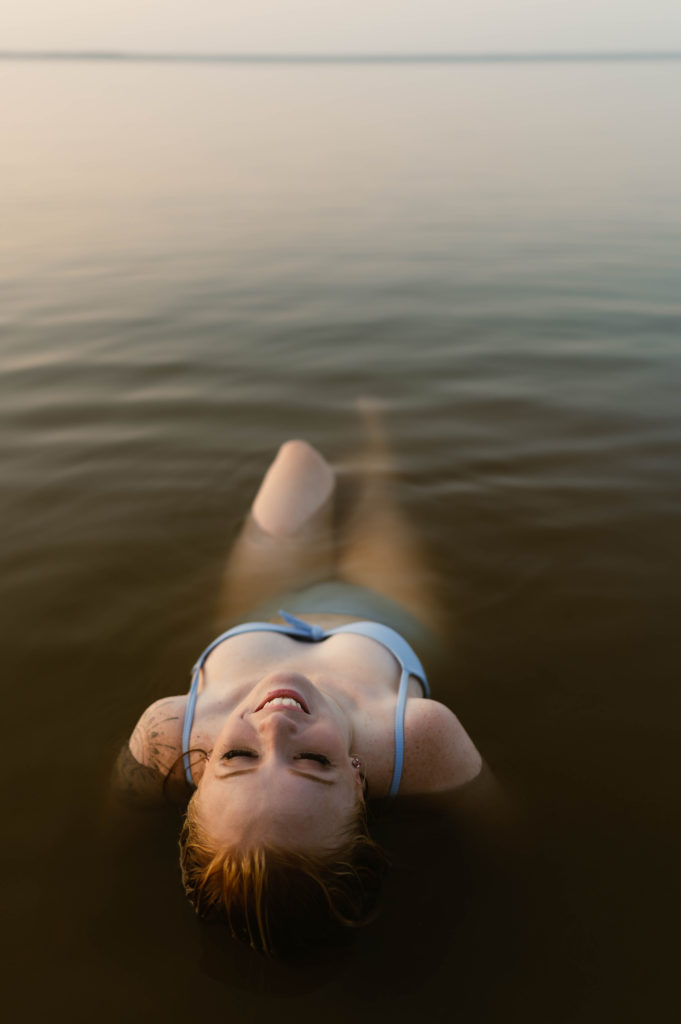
(362, 684)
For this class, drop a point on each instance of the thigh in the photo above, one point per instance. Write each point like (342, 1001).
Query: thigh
(383, 552)
(287, 539)
(379, 547)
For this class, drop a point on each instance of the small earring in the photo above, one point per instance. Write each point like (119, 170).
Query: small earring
(356, 763)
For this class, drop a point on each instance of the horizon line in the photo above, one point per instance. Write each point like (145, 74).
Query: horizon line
(342, 58)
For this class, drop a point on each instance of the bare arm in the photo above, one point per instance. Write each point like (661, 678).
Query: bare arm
(136, 783)
(150, 755)
(440, 755)
(445, 770)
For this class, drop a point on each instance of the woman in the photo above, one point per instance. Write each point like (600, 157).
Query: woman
(293, 717)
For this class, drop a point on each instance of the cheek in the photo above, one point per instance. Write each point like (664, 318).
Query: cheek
(336, 741)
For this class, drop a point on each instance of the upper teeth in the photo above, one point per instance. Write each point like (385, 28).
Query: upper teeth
(288, 702)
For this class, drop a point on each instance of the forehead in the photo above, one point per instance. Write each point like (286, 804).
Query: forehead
(286, 809)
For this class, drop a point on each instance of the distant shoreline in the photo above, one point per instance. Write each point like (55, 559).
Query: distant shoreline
(337, 58)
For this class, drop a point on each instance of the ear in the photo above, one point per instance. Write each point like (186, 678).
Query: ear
(358, 771)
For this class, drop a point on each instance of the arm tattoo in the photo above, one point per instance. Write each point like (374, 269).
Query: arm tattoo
(135, 782)
(144, 764)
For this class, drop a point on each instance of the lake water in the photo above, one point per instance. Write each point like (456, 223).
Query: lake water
(201, 260)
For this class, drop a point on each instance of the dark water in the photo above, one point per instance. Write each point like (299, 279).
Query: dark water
(200, 261)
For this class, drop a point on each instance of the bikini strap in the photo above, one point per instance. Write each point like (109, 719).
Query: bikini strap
(410, 665)
(302, 630)
(310, 633)
(305, 629)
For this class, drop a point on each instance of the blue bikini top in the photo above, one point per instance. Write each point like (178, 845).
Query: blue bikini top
(301, 630)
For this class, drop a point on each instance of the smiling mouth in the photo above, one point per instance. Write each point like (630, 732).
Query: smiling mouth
(285, 699)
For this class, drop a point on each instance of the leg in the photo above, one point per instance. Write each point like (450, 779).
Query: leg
(380, 548)
(287, 540)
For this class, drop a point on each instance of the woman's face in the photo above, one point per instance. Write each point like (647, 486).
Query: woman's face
(281, 770)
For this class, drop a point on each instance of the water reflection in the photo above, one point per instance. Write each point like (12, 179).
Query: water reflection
(201, 261)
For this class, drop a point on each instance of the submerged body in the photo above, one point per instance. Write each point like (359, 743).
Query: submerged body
(287, 724)
(359, 677)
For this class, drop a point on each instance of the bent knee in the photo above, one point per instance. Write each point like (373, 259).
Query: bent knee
(297, 483)
(299, 451)
(298, 461)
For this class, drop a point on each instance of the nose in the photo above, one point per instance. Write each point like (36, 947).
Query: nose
(277, 724)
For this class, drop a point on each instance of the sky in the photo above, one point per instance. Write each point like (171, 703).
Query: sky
(342, 26)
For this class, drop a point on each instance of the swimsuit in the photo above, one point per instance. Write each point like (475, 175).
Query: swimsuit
(301, 630)
(338, 597)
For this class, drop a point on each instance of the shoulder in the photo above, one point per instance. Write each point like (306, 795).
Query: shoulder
(151, 753)
(439, 753)
(156, 740)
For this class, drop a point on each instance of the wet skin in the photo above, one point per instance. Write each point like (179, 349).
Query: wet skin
(280, 773)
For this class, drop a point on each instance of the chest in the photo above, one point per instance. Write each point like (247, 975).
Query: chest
(357, 668)
(359, 674)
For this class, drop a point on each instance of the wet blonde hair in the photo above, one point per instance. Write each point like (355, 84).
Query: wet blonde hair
(282, 900)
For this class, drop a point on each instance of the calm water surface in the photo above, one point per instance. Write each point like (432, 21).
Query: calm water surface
(200, 261)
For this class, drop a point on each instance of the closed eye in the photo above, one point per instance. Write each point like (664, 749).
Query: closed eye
(320, 758)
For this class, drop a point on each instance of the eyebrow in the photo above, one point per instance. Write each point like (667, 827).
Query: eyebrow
(304, 775)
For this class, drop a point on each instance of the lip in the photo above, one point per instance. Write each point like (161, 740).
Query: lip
(285, 693)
